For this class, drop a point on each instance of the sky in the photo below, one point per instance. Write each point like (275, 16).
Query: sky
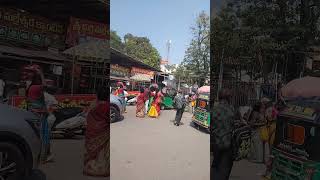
(160, 21)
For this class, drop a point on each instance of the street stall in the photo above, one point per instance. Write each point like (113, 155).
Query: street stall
(132, 72)
(295, 148)
(89, 50)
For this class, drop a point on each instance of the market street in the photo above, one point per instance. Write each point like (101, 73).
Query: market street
(146, 149)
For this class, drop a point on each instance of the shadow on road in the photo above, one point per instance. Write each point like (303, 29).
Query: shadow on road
(119, 120)
(37, 175)
(199, 128)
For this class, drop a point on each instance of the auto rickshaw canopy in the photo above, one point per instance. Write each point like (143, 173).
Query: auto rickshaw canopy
(304, 87)
(204, 89)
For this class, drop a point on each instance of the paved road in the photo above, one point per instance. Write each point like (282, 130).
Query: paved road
(146, 149)
(68, 163)
(155, 149)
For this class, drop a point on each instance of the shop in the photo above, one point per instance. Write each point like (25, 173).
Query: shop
(25, 39)
(30, 35)
(129, 70)
(90, 72)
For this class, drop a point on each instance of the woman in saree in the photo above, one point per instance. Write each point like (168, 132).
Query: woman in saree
(141, 104)
(97, 138)
(152, 112)
(158, 102)
(36, 104)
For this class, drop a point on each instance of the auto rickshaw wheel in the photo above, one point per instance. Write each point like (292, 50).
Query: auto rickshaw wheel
(162, 107)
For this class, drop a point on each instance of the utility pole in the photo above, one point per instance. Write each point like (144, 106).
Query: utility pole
(168, 50)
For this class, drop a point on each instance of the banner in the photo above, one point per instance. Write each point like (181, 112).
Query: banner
(119, 71)
(20, 26)
(135, 70)
(81, 29)
(85, 101)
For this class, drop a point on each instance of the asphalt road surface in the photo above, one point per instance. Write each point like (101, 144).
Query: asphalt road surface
(146, 149)
(155, 149)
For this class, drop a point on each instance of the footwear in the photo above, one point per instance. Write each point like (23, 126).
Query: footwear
(50, 158)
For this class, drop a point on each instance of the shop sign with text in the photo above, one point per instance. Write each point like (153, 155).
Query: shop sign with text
(135, 70)
(81, 28)
(119, 71)
(23, 27)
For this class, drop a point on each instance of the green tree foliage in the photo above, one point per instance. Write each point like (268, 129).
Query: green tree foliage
(116, 42)
(137, 47)
(142, 49)
(253, 28)
(197, 55)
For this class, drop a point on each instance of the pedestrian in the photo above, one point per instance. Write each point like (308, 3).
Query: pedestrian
(224, 116)
(257, 121)
(152, 112)
(140, 104)
(97, 138)
(158, 102)
(146, 97)
(121, 94)
(180, 103)
(36, 104)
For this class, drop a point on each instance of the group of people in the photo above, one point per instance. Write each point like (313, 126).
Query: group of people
(149, 102)
(97, 154)
(261, 119)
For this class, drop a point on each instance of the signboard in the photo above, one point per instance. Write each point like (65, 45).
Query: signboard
(85, 30)
(135, 70)
(204, 96)
(20, 26)
(299, 111)
(119, 71)
(84, 101)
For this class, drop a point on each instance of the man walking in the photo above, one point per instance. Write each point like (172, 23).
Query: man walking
(180, 104)
(222, 127)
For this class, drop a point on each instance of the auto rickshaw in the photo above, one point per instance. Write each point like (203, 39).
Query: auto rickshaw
(168, 96)
(201, 115)
(295, 152)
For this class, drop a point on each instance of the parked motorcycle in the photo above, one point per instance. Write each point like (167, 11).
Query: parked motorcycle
(68, 121)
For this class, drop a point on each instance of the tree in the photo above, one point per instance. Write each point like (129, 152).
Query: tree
(197, 55)
(116, 42)
(272, 29)
(142, 49)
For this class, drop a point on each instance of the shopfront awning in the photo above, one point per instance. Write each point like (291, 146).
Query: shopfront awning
(141, 78)
(15, 52)
(122, 59)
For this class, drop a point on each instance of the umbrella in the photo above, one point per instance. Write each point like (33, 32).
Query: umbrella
(92, 50)
(303, 87)
(204, 89)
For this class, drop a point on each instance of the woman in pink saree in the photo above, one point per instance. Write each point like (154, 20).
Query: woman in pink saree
(97, 140)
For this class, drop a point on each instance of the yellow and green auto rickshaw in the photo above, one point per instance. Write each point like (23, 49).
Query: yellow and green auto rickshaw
(201, 114)
(295, 152)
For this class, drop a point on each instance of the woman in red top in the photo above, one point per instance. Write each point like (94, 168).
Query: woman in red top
(97, 140)
(36, 104)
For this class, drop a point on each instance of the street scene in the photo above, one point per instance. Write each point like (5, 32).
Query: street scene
(54, 94)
